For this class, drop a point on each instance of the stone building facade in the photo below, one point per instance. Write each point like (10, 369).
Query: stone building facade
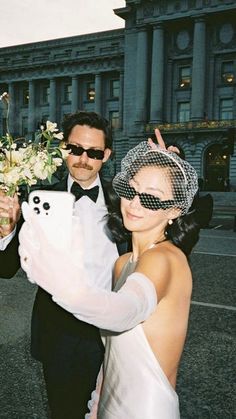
(173, 66)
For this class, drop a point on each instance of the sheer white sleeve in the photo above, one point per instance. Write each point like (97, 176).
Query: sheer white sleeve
(94, 401)
(62, 274)
(116, 311)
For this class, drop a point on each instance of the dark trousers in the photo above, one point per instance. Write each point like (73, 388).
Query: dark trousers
(70, 375)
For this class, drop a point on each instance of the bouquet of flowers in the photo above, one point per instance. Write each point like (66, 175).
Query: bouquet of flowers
(25, 162)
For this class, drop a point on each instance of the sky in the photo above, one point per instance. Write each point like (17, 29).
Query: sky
(24, 21)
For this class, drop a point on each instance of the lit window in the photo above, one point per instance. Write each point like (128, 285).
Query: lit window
(184, 77)
(91, 91)
(227, 72)
(67, 92)
(114, 119)
(183, 111)
(226, 109)
(114, 88)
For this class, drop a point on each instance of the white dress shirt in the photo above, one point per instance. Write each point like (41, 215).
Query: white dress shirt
(4, 241)
(100, 253)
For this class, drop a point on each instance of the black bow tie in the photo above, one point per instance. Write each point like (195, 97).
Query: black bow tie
(79, 192)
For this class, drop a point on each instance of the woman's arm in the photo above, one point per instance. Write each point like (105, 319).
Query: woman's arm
(61, 273)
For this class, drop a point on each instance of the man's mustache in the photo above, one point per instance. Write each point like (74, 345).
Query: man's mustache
(82, 166)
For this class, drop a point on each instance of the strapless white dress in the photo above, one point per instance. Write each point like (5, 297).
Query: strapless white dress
(134, 384)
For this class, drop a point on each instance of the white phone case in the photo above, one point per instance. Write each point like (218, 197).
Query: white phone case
(55, 211)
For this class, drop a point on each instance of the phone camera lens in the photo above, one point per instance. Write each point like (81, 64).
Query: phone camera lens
(37, 210)
(46, 206)
(36, 199)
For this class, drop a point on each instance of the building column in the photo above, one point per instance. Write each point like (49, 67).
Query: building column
(11, 117)
(157, 76)
(74, 95)
(141, 75)
(98, 93)
(52, 100)
(198, 69)
(31, 107)
(121, 96)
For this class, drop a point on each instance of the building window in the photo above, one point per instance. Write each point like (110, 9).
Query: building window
(183, 111)
(91, 91)
(24, 125)
(185, 77)
(25, 96)
(67, 93)
(227, 72)
(114, 119)
(226, 109)
(45, 92)
(115, 88)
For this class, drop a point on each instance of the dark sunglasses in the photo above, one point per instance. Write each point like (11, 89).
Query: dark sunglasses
(124, 190)
(77, 150)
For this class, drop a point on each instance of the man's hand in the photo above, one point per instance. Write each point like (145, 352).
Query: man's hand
(9, 208)
(161, 143)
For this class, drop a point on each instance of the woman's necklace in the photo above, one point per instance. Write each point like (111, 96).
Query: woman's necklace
(150, 247)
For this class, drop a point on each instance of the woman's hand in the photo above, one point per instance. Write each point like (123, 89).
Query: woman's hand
(9, 208)
(161, 143)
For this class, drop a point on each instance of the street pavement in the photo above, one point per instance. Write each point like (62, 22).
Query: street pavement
(206, 380)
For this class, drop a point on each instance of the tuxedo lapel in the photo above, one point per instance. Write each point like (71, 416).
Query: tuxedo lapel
(60, 186)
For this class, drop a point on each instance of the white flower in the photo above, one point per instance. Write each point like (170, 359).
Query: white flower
(15, 156)
(12, 176)
(57, 161)
(59, 136)
(4, 95)
(31, 162)
(65, 153)
(51, 126)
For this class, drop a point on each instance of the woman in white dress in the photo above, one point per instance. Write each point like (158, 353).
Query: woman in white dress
(146, 315)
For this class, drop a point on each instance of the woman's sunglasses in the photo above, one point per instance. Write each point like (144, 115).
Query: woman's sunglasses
(124, 190)
(77, 150)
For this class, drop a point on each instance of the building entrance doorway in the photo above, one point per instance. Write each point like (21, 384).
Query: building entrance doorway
(216, 168)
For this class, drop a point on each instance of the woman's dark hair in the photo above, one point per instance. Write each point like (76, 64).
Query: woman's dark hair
(92, 120)
(114, 218)
(183, 233)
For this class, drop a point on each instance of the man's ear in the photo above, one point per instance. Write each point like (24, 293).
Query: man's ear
(107, 153)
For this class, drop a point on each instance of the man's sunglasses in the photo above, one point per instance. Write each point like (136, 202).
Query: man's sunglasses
(124, 190)
(77, 150)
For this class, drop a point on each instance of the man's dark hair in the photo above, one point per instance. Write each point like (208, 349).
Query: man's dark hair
(92, 120)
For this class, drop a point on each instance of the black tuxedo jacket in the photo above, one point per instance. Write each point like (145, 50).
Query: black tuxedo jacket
(51, 325)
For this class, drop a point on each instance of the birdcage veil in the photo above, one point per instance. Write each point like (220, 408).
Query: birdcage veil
(178, 172)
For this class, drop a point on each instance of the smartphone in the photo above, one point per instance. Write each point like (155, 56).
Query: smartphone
(54, 210)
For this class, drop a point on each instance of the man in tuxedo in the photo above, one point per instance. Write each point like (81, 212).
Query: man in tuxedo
(70, 350)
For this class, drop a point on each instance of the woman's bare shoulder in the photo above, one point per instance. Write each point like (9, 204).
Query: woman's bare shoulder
(163, 264)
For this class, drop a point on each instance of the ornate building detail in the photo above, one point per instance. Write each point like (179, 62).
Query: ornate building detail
(183, 39)
(173, 66)
(226, 33)
(148, 10)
